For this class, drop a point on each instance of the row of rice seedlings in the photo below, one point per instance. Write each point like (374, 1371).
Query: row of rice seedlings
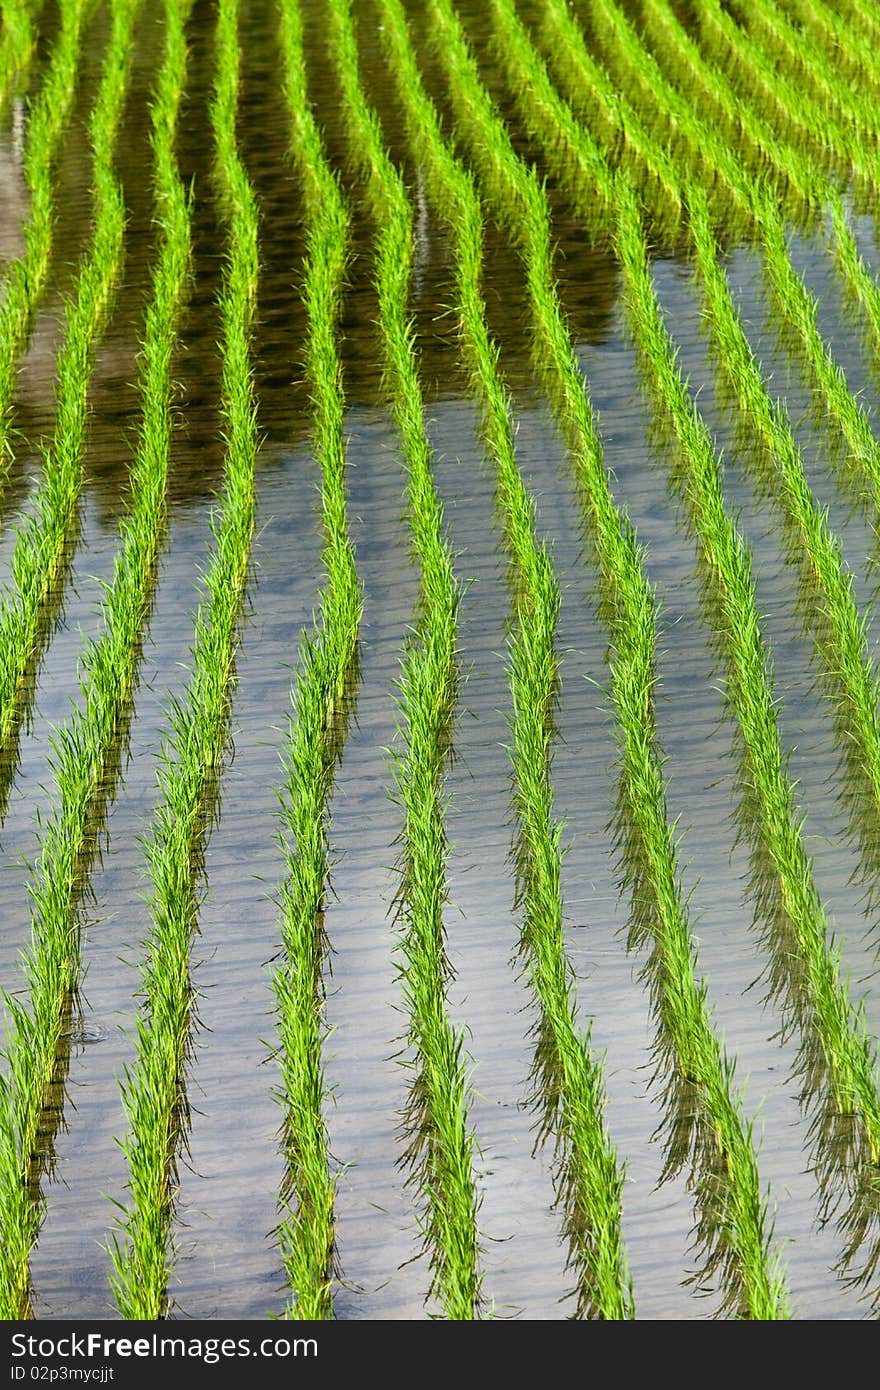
(322, 699)
(837, 1064)
(88, 747)
(16, 44)
(827, 588)
(154, 1088)
(441, 1146)
(832, 137)
(569, 1091)
(51, 966)
(694, 72)
(550, 119)
(798, 306)
(705, 1123)
(26, 276)
(585, 81)
(806, 63)
(698, 150)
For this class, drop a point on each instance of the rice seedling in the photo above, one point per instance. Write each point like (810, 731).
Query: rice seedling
(568, 1078)
(440, 1148)
(704, 1118)
(26, 276)
(322, 699)
(154, 1089)
(837, 1064)
(51, 967)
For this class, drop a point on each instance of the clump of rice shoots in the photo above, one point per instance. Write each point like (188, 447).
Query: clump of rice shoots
(440, 1147)
(51, 966)
(321, 697)
(154, 1091)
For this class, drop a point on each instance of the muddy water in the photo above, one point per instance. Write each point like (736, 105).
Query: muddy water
(227, 1262)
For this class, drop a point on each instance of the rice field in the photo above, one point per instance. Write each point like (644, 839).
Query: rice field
(439, 733)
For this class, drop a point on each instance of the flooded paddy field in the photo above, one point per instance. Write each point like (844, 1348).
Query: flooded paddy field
(439, 736)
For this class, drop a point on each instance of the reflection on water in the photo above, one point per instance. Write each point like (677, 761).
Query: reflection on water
(13, 192)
